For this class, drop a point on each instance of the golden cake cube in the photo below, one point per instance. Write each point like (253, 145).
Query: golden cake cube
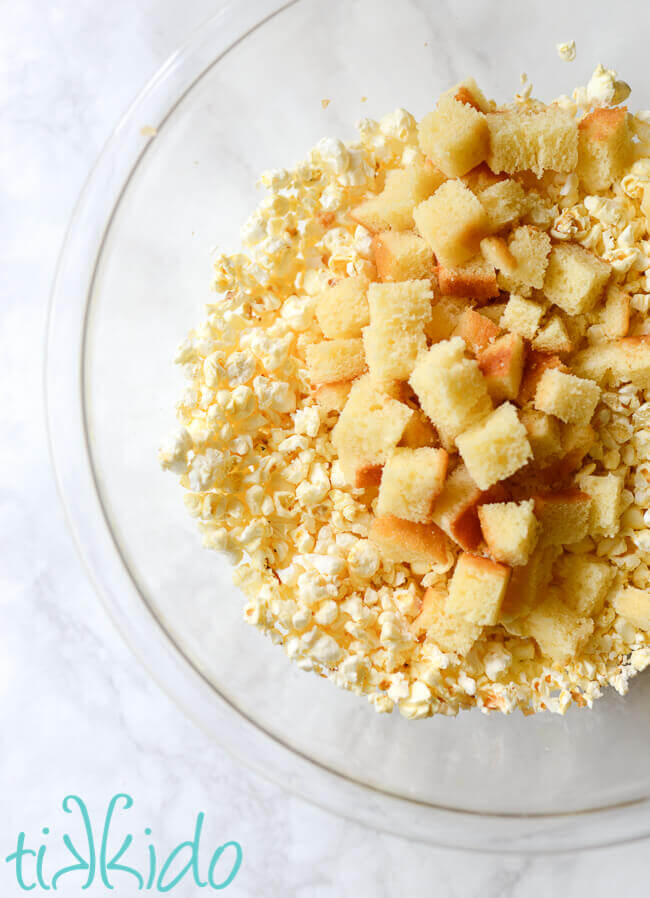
(522, 316)
(557, 629)
(502, 365)
(527, 586)
(575, 278)
(477, 588)
(605, 491)
(400, 540)
(544, 434)
(395, 337)
(564, 516)
(533, 139)
(585, 582)
(553, 337)
(634, 605)
(454, 136)
(403, 190)
(342, 310)
(571, 399)
(615, 314)
(450, 388)
(410, 482)
(401, 256)
(496, 447)
(453, 223)
(476, 330)
(468, 91)
(475, 280)
(331, 361)
(368, 429)
(449, 632)
(504, 202)
(332, 397)
(604, 148)
(445, 315)
(456, 508)
(510, 530)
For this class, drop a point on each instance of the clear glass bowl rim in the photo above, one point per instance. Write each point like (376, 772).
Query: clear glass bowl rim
(73, 469)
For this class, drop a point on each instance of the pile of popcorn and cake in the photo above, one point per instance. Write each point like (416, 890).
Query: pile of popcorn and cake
(418, 419)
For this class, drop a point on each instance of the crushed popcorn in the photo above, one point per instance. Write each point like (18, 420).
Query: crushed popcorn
(268, 487)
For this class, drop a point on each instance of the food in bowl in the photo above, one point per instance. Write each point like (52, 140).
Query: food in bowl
(418, 415)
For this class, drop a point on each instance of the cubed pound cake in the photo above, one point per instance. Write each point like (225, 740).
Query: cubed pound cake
(450, 387)
(537, 140)
(604, 148)
(410, 482)
(477, 588)
(403, 190)
(454, 136)
(496, 447)
(401, 256)
(453, 222)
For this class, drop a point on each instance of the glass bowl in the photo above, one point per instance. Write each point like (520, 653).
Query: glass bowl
(242, 95)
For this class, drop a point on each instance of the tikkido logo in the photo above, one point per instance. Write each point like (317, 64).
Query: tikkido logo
(99, 862)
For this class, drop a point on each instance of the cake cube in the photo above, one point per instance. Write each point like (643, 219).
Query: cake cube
(475, 279)
(332, 397)
(449, 632)
(454, 136)
(629, 360)
(532, 139)
(544, 434)
(576, 440)
(401, 256)
(575, 278)
(571, 399)
(527, 585)
(510, 530)
(634, 605)
(502, 365)
(604, 148)
(477, 588)
(456, 509)
(476, 330)
(450, 388)
(605, 491)
(453, 223)
(342, 310)
(564, 516)
(496, 447)
(537, 363)
(557, 629)
(553, 337)
(495, 251)
(530, 248)
(445, 314)
(615, 314)
(410, 481)
(406, 541)
(368, 429)
(393, 206)
(494, 312)
(395, 336)
(585, 581)
(419, 432)
(504, 203)
(331, 361)
(522, 316)
(468, 91)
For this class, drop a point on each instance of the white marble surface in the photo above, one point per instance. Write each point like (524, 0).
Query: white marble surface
(78, 712)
